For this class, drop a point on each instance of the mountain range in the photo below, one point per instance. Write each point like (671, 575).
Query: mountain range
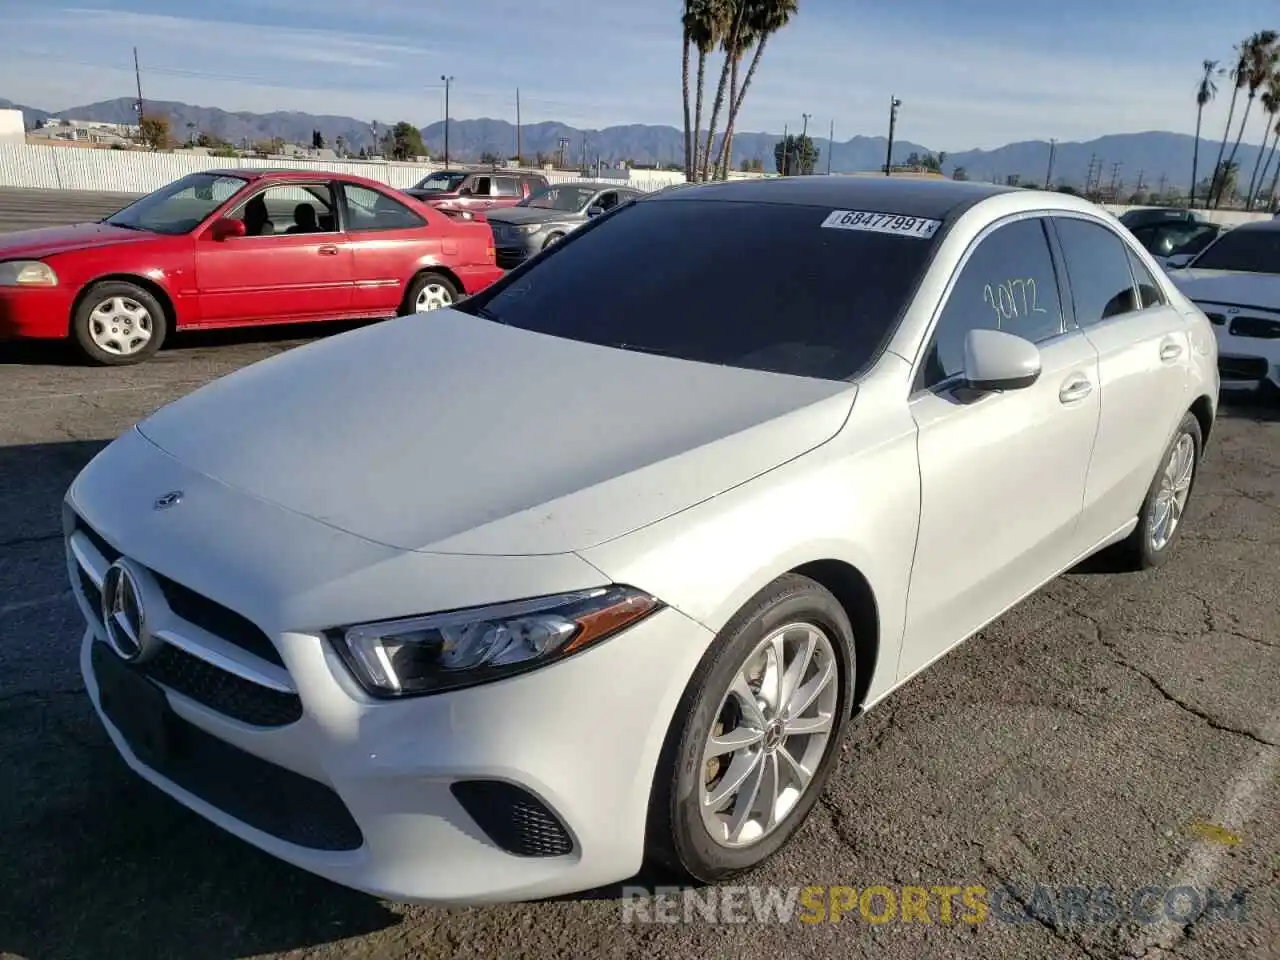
(1150, 155)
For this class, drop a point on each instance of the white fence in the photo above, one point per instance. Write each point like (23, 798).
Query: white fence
(38, 166)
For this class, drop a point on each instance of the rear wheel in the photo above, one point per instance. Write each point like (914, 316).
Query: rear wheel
(118, 323)
(552, 240)
(1160, 522)
(756, 734)
(427, 292)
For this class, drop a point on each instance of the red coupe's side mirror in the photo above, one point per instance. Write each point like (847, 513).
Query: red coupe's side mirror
(226, 229)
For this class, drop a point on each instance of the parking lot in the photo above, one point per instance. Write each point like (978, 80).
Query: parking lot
(1118, 730)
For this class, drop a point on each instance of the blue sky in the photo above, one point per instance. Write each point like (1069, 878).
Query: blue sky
(995, 73)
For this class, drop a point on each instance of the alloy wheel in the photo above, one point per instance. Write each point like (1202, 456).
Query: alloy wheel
(1170, 501)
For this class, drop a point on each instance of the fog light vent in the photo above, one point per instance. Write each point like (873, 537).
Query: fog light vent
(513, 818)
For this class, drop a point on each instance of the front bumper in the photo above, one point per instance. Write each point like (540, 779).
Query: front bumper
(37, 313)
(1248, 347)
(360, 791)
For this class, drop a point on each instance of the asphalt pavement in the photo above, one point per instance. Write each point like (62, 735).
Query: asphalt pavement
(1117, 730)
(28, 209)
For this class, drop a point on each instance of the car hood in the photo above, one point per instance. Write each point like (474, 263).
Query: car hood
(448, 433)
(1229, 287)
(535, 215)
(47, 241)
(429, 196)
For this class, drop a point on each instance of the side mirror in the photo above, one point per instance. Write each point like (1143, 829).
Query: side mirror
(227, 228)
(595, 210)
(1178, 261)
(995, 360)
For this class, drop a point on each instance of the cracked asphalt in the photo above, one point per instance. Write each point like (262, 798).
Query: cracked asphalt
(1117, 730)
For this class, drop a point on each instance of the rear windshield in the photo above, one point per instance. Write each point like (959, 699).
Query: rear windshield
(1252, 251)
(754, 285)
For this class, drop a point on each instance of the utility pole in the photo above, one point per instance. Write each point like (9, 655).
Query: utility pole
(564, 146)
(786, 148)
(802, 150)
(1115, 177)
(831, 142)
(1138, 187)
(1163, 180)
(137, 75)
(1088, 177)
(1048, 177)
(519, 155)
(894, 104)
(448, 82)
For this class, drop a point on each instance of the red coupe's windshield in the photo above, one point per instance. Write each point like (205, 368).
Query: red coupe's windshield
(179, 207)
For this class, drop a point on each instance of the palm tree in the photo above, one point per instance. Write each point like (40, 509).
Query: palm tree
(1261, 58)
(735, 23)
(684, 83)
(766, 18)
(1204, 93)
(1271, 107)
(1239, 77)
(1275, 178)
(703, 26)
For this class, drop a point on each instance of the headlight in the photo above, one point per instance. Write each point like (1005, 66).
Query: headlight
(445, 651)
(527, 228)
(27, 273)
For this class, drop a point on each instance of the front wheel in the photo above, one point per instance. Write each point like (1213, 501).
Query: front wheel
(1160, 522)
(756, 734)
(427, 292)
(552, 240)
(118, 323)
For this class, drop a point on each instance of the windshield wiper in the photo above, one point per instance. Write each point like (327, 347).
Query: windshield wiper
(125, 226)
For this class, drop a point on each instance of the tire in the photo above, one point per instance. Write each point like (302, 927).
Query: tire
(552, 240)
(679, 836)
(110, 319)
(436, 288)
(1150, 546)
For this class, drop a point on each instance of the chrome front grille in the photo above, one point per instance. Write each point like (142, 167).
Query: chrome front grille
(210, 654)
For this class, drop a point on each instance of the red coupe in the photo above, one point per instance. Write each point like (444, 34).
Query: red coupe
(227, 248)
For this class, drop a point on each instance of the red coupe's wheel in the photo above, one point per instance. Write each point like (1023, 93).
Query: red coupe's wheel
(118, 323)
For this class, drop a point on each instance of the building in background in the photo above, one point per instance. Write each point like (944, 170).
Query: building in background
(12, 130)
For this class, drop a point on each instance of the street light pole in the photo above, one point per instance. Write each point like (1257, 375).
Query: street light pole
(894, 104)
(448, 81)
(831, 140)
(1048, 177)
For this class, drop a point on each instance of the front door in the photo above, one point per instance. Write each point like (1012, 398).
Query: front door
(1002, 474)
(1144, 350)
(292, 264)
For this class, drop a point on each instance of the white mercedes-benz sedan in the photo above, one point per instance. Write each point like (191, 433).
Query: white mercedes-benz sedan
(596, 567)
(1236, 282)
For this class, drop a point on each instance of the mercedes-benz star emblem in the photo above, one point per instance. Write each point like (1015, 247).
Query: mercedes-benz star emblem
(170, 499)
(123, 615)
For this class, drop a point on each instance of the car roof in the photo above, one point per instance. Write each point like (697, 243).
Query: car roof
(286, 173)
(929, 199)
(1272, 224)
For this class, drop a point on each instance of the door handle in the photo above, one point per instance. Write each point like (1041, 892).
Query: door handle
(1075, 389)
(328, 251)
(1170, 350)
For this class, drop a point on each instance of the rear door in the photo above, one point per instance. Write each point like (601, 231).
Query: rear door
(388, 241)
(1144, 357)
(293, 265)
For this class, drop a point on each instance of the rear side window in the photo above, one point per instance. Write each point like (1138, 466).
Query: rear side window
(370, 210)
(1098, 268)
(506, 187)
(1148, 289)
(757, 286)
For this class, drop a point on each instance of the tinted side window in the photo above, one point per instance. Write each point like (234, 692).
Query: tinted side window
(480, 187)
(371, 210)
(1098, 268)
(1008, 283)
(1147, 286)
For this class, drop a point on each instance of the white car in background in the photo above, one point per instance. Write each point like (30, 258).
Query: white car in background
(1236, 282)
(599, 565)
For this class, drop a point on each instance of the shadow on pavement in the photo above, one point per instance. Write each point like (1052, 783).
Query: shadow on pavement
(62, 353)
(1260, 407)
(94, 861)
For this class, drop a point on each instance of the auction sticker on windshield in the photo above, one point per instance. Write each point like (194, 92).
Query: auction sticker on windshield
(881, 223)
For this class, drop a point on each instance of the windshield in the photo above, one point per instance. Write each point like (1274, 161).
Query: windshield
(441, 181)
(760, 286)
(1250, 251)
(179, 207)
(570, 199)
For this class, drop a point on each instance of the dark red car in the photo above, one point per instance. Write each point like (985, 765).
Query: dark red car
(466, 196)
(226, 248)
